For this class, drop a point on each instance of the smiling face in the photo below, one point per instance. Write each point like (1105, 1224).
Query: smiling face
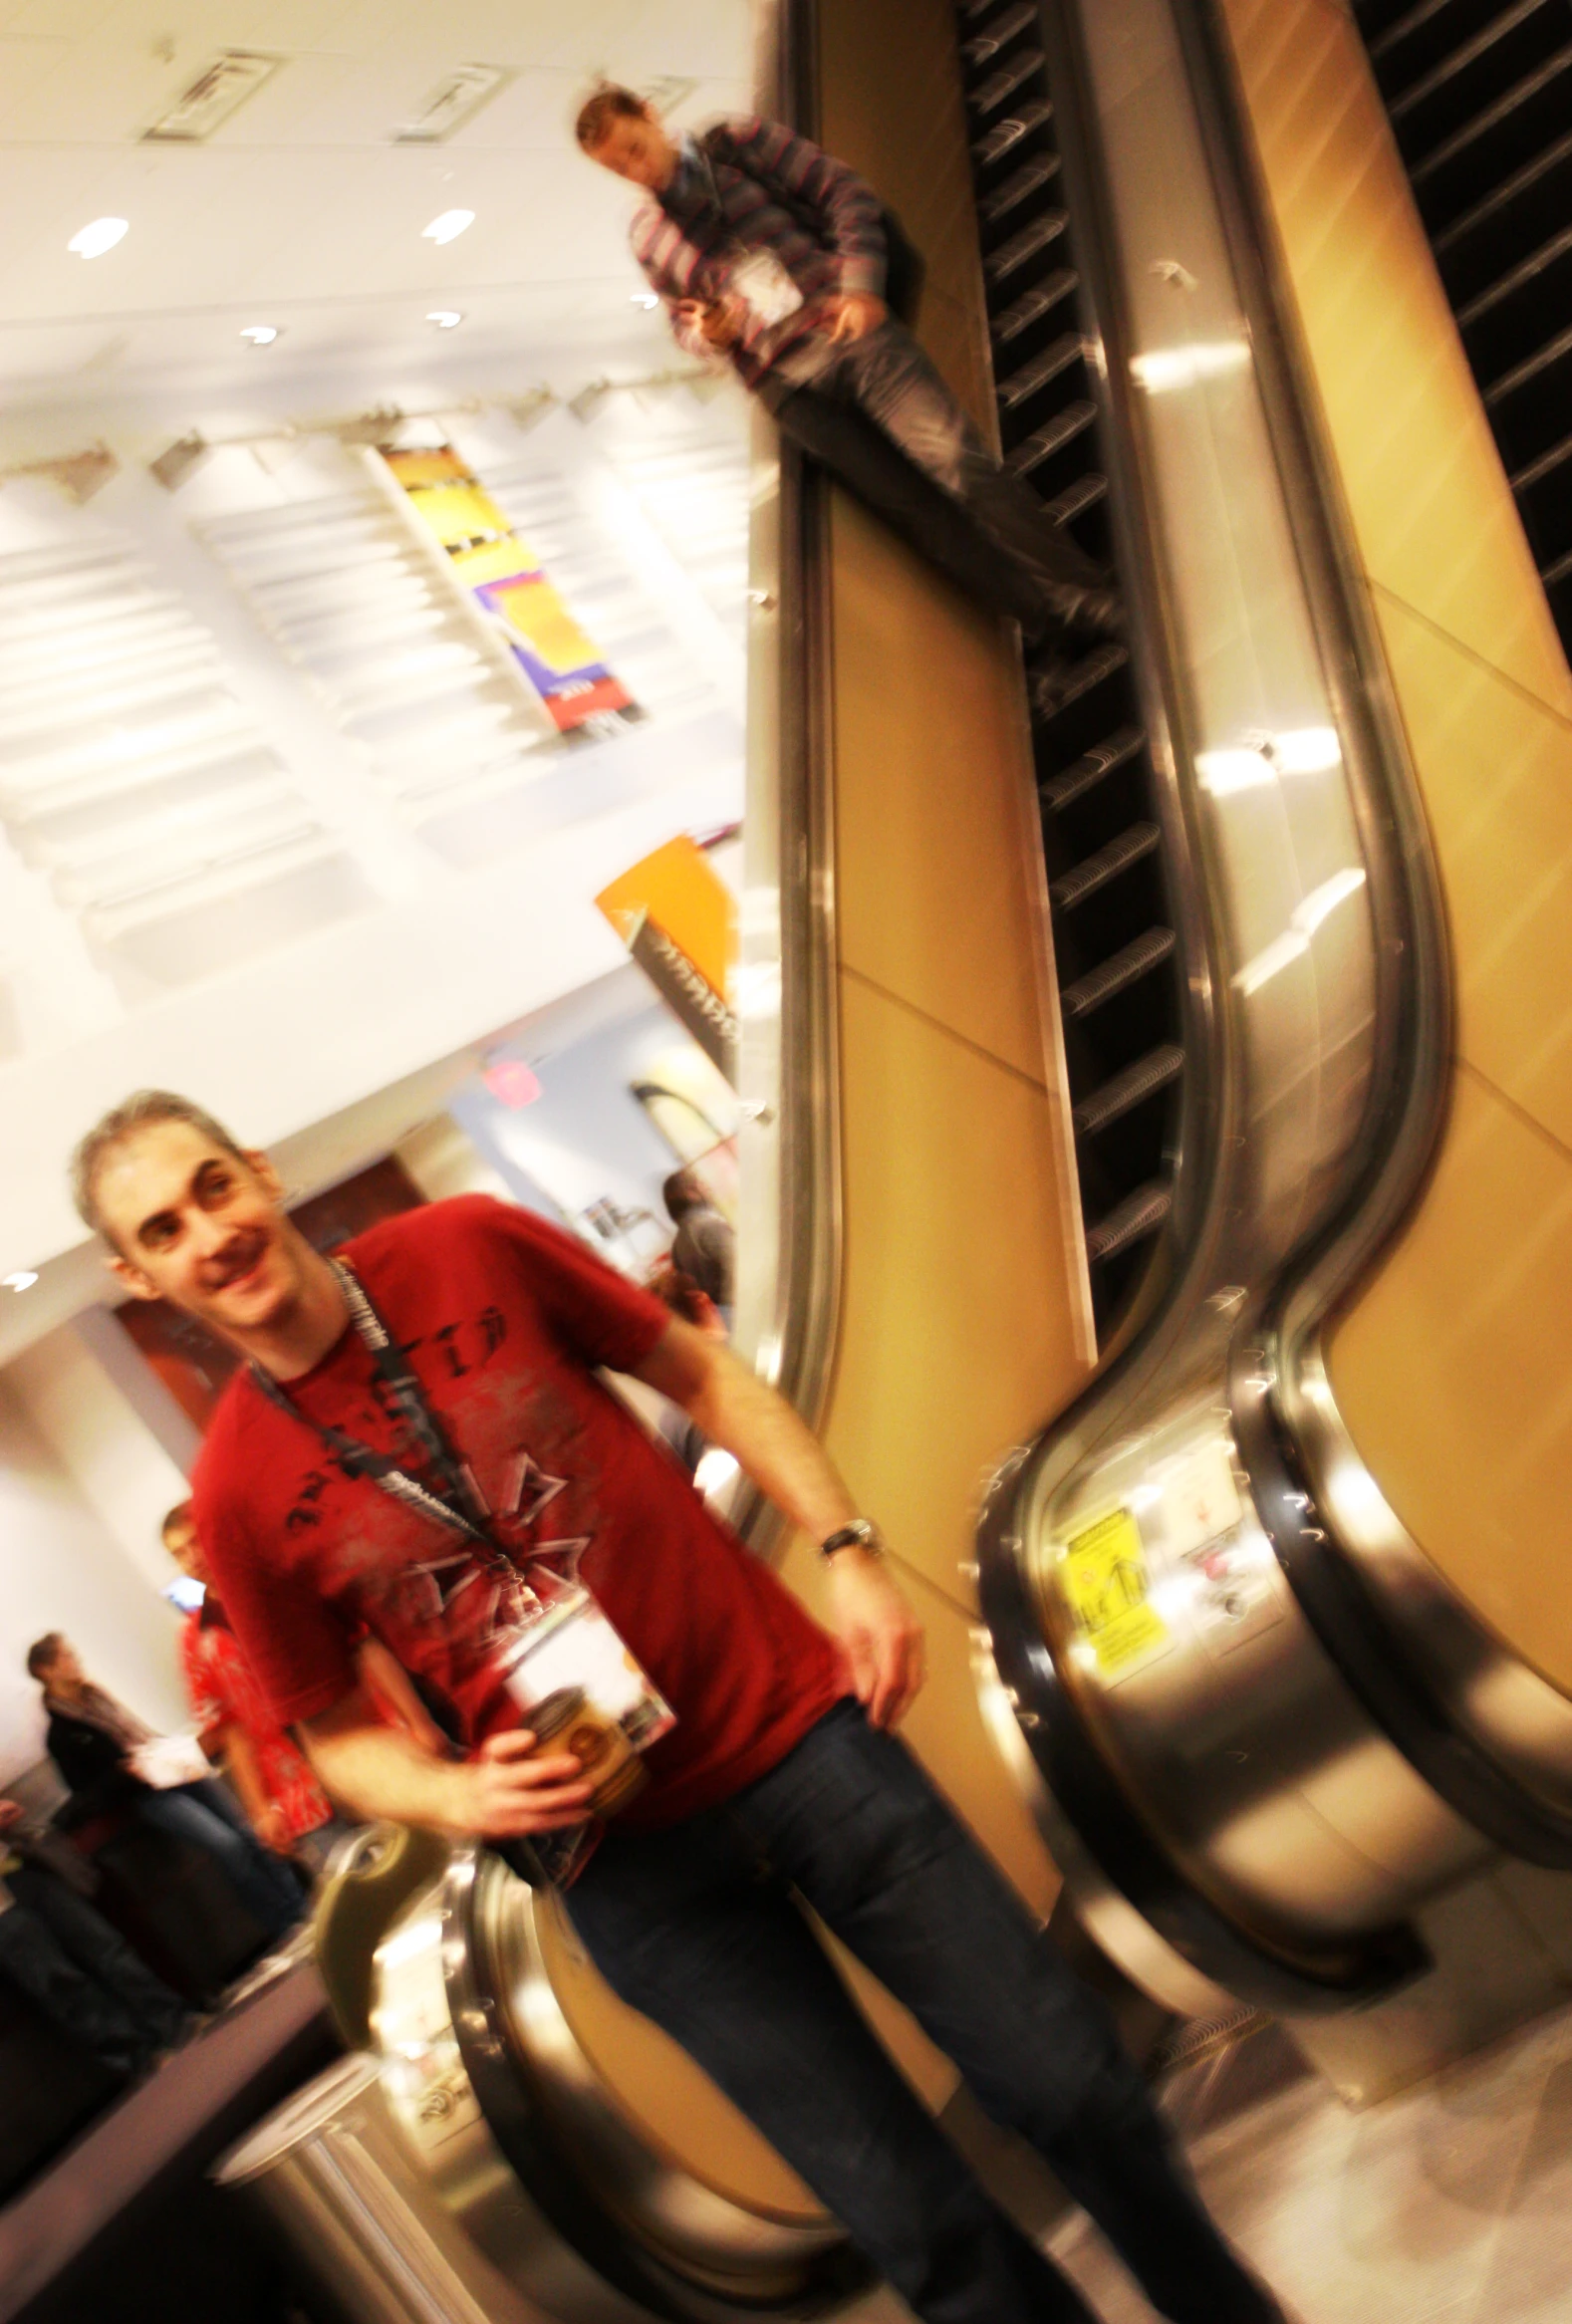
(203, 1227)
(636, 147)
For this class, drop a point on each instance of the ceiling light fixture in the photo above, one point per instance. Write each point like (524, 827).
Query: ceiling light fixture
(644, 299)
(23, 1279)
(445, 318)
(102, 235)
(449, 226)
(260, 334)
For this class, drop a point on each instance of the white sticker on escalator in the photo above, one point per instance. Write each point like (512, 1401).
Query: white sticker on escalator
(1200, 1499)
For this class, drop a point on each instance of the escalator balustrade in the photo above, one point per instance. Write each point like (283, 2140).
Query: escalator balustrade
(1114, 942)
(1480, 95)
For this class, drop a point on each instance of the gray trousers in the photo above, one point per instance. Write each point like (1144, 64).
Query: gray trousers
(878, 415)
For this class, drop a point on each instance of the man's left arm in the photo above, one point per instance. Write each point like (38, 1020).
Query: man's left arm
(736, 1410)
(850, 214)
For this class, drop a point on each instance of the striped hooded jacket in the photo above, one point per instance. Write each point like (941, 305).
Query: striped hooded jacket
(748, 185)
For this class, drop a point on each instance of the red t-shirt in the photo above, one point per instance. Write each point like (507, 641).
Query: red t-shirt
(503, 1319)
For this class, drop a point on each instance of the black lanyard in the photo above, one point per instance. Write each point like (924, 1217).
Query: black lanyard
(457, 1502)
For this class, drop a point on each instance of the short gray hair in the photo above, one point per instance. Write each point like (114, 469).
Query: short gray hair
(139, 1111)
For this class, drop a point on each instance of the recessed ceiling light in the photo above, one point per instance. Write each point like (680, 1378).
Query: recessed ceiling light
(644, 299)
(260, 334)
(102, 235)
(23, 1280)
(449, 226)
(445, 318)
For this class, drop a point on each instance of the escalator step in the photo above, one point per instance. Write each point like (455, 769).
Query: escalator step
(1092, 768)
(1121, 1095)
(1115, 976)
(1494, 204)
(1095, 872)
(1004, 82)
(1516, 278)
(1532, 366)
(1051, 437)
(1493, 115)
(1086, 492)
(1546, 464)
(1005, 136)
(1030, 178)
(985, 45)
(1406, 26)
(1016, 387)
(1055, 687)
(1010, 256)
(1471, 55)
(1034, 304)
(1139, 1214)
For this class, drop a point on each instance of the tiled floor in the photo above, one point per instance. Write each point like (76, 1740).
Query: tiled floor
(1450, 2203)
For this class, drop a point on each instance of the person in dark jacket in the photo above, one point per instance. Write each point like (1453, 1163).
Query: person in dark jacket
(68, 1959)
(771, 252)
(704, 1245)
(94, 1741)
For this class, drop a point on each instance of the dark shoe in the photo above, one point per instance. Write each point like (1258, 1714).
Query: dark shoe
(1085, 612)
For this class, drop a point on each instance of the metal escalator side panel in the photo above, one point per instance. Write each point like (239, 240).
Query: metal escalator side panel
(521, 2144)
(1305, 883)
(1488, 1733)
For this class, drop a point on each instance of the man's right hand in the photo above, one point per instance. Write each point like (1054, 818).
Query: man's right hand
(505, 1793)
(717, 321)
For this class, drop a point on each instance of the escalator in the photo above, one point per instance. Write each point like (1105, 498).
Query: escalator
(1479, 97)
(1114, 942)
(1096, 1041)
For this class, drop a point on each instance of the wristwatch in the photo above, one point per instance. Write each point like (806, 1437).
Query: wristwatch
(862, 1533)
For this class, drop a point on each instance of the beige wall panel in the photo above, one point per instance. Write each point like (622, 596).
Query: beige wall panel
(1496, 772)
(1435, 520)
(914, 149)
(1454, 1372)
(956, 1337)
(935, 886)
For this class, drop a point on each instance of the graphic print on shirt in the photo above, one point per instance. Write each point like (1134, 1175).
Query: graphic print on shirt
(538, 1510)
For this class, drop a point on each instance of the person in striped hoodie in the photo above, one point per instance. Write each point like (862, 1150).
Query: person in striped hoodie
(769, 251)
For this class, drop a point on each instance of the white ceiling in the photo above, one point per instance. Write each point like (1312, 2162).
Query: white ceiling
(301, 212)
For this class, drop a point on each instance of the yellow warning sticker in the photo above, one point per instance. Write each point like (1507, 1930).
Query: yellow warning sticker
(1105, 1580)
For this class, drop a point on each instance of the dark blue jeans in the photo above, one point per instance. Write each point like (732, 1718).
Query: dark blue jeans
(700, 1926)
(204, 1815)
(82, 1975)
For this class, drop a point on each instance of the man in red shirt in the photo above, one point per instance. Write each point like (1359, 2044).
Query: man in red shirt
(288, 1809)
(419, 1446)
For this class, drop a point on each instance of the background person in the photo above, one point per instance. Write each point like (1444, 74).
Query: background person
(67, 1959)
(771, 252)
(93, 1741)
(285, 1805)
(704, 1247)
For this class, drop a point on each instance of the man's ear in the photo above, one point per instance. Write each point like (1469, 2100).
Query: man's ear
(260, 1167)
(131, 1277)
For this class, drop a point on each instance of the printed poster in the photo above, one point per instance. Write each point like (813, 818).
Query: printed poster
(560, 659)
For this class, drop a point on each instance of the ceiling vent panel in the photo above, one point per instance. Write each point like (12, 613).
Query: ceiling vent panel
(453, 101)
(218, 91)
